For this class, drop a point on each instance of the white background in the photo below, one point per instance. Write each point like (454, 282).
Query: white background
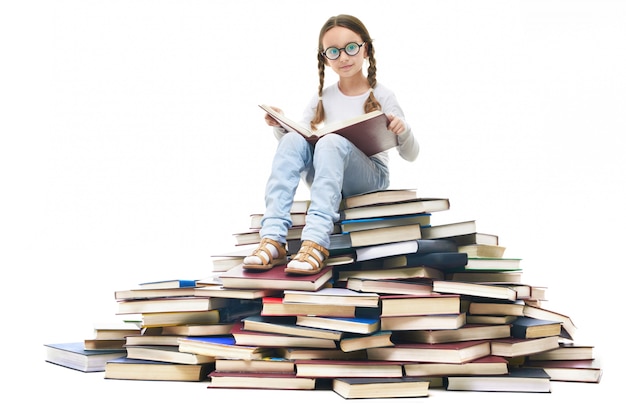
(132, 148)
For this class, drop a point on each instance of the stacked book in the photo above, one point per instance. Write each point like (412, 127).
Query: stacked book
(404, 305)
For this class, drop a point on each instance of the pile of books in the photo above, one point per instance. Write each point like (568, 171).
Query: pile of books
(404, 305)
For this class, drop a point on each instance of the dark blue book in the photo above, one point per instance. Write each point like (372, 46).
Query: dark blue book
(148, 370)
(445, 261)
(531, 328)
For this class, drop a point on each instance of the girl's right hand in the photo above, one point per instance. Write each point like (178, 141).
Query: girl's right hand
(270, 120)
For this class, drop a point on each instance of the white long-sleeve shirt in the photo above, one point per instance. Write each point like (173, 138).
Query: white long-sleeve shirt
(339, 107)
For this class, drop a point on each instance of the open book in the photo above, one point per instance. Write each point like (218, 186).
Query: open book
(368, 132)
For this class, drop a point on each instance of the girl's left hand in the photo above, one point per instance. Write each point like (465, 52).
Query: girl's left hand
(396, 125)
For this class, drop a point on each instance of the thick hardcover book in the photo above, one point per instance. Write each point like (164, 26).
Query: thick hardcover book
(530, 328)
(368, 132)
(276, 279)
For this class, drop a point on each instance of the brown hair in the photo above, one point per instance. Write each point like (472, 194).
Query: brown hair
(355, 25)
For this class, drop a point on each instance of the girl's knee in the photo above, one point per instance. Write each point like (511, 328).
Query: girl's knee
(332, 141)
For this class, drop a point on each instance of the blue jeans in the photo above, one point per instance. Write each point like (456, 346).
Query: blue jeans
(333, 169)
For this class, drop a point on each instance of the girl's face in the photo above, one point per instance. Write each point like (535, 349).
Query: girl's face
(345, 65)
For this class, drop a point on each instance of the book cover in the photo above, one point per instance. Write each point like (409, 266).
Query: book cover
(368, 132)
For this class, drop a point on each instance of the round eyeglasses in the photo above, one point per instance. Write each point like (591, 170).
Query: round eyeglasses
(350, 49)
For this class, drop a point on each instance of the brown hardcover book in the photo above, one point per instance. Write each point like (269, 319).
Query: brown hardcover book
(368, 132)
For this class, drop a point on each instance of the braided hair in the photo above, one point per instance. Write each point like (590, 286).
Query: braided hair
(355, 25)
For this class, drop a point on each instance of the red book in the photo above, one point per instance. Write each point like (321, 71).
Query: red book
(275, 279)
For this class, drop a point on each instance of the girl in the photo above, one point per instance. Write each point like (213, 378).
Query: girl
(334, 168)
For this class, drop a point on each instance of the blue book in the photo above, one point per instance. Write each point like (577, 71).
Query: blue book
(172, 283)
(353, 225)
(356, 325)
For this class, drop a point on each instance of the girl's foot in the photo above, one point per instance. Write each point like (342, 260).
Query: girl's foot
(309, 260)
(269, 254)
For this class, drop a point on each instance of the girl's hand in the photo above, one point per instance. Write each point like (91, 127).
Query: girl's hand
(396, 125)
(270, 120)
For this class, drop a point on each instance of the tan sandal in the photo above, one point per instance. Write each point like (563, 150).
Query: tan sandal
(309, 255)
(271, 262)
